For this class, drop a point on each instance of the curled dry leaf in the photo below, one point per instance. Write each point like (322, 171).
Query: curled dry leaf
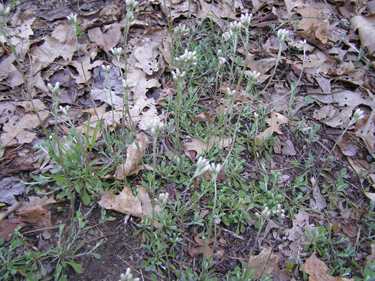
(200, 146)
(366, 31)
(275, 121)
(317, 270)
(134, 153)
(10, 226)
(34, 209)
(129, 204)
(267, 263)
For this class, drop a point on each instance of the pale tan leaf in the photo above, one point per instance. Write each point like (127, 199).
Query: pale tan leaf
(134, 154)
(267, 263)
(370, 195)
(200, 146)
(275, 122)
(127, 203)
(124, 203)
(106, 40)
(317, 270)
(366, 32)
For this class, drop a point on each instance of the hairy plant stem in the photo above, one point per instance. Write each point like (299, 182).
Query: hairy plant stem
(153, 189)
(274, 70)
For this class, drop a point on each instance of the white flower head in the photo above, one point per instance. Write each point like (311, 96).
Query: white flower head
(73, 18)
(106, 68)
(235, 27)
(128, 276)
(179, 77)
(222, 60)
(358, 115)
(163, 199)
(202, 166)
(227, 35)
(304, 44)
(181, 30)
(219, 52)
(117, 52)
(131, 4)
(217, 219)
(54, 90)
(230, 94)
(282, 34)
(127, 84)
(155, 126)
(187, 59)
(214, 170)
(252, 77)
(246, 19)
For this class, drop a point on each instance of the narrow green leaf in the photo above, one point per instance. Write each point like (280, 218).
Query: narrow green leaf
(77, 267)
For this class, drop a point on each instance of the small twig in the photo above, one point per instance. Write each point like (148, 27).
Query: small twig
(41, 229)
(233, 234)
(11, 209)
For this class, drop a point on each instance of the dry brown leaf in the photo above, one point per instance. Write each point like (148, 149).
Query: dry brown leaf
(275, 122)
(106, 40)
(348, 149)
(322, 27)
(267, 263)
(10, 226)
(34, 209)
(204, 117)
(52, 48)
(204, 245)
(366, 32)
(127, 203)
(9, 72)
(133, 155)
(289, 149)
(14, 130)
(370, 195)
(200, 146)
(147, 57)
(317, 270)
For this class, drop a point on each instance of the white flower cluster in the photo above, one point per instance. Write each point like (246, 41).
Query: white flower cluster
(181, 30)
(178, 77)
(127, 84)
(155, 126)
(128, 276)
(230, 94)
(204, 165)
(3, 12)
(162, 200)
(187, 59)
(221, 58)
(106, 68)
(252, 77)
(117, 52)
(54, 90)
(131, 4)
(282, 34)
(358, 115)
(246, 19)
(64, 110)
(266, 213)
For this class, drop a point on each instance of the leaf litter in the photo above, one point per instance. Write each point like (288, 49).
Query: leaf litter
(336, 82)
